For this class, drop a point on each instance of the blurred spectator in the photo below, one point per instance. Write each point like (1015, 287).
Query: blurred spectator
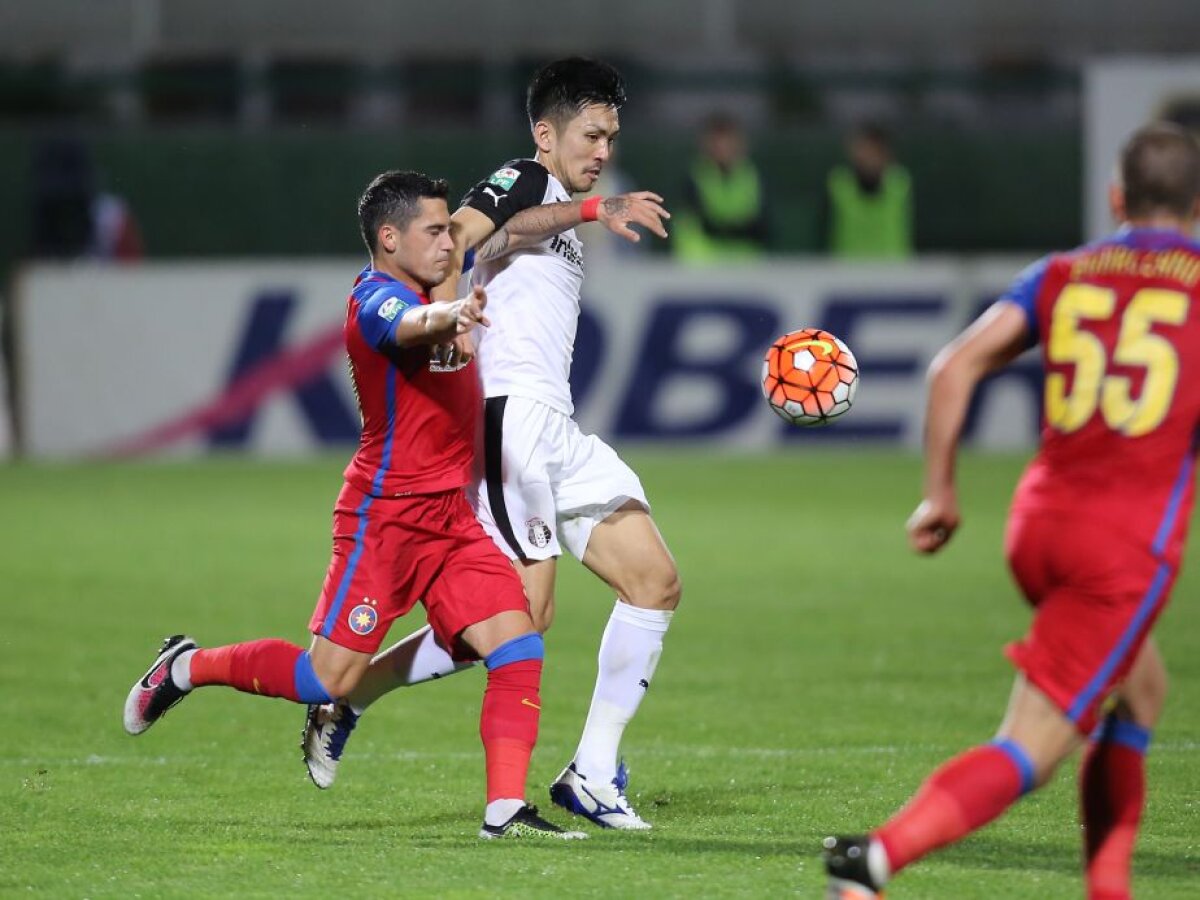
(71, 217)
(724, 209)
(868, 204)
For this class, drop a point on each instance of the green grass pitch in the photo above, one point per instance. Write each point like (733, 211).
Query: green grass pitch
(816, 672)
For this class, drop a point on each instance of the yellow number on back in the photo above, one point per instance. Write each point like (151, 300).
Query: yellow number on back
(1068, 343)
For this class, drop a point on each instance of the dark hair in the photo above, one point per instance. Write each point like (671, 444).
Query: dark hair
(393, 198)
(561, 89)
(1160, 171)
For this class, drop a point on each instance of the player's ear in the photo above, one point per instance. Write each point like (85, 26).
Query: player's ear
(543, 135)
(387, 238)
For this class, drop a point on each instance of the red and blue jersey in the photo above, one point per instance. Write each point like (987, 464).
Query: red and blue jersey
(1118, 324)
(419, 417)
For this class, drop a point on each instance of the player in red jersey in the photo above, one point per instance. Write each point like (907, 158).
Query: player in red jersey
(403, 529)
(1097, 525)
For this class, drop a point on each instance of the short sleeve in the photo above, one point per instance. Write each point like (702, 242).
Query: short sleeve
(381, 310)
(1024, 292)
(518, 185)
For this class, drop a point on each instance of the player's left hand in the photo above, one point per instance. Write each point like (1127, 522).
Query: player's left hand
(635, 208)
(469, 311)
(932, 524)
(457, 353)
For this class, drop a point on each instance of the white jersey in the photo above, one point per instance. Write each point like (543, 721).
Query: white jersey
(532, 295)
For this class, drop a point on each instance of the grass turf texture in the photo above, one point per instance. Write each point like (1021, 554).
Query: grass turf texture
(816, 673)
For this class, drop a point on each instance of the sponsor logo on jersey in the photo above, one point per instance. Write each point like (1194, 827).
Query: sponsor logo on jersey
(504, 178)
(363, 619)
(442, 358)
(390, 308)
(567, 250)
(496, 198)
(539, 532)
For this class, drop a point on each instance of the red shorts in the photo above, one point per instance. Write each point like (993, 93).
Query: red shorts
(1096, 596)
(390, 552)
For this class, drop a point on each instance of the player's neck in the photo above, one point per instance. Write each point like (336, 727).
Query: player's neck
(382, 265)
(1163, 222)
(549, 166)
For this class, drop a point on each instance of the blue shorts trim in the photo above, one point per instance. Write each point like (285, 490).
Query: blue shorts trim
(1147, 605)
(352, 564)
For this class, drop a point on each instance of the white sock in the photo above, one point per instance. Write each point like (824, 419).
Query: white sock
(181, 670)
(415, 659)
(500, 811)
(629, 653)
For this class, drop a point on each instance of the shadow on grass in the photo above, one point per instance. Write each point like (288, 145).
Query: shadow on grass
(989, 852)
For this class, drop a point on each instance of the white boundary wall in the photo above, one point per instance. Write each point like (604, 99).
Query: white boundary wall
(245, 356)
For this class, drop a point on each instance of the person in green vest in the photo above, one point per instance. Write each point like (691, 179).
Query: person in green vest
(868, 203)
(724, 211)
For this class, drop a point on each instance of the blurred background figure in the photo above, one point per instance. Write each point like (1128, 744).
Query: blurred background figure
(868, 200)
(723, 213)
(71, 217)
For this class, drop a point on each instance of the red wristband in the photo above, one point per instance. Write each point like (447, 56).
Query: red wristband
(589, 208)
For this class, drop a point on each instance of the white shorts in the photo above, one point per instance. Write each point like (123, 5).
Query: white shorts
(541, 484)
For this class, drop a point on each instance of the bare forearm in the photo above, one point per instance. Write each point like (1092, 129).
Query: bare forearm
(435, 323)
(535, 224)
(951, 385)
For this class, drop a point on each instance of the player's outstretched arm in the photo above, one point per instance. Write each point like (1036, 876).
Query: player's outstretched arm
(991, 342)
(441, 321)
(618, 214)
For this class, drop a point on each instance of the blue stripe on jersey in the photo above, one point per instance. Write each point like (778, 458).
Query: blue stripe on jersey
(376, 487)
(1168, 521)
(1024, 292)
(385, 458)
(1145, 607)
(348, 576)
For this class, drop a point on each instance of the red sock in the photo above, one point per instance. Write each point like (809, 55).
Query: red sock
(964, 794)
(1112, 793)
(266, 667)
(509, 726)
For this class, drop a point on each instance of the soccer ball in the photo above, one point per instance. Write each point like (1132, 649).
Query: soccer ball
(809, 377)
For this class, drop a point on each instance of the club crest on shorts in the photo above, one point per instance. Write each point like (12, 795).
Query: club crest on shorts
(363, 619)
(539, 532)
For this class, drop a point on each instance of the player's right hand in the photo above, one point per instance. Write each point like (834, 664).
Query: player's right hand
(635, 208)
(932, 524)
(470, 310)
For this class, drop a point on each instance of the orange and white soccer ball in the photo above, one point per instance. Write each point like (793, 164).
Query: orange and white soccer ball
(809, 377)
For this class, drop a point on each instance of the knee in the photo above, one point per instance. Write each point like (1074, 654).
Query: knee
(543, 620)
(1142, 700)
(541, 612)
(338, 681)
(662, 589)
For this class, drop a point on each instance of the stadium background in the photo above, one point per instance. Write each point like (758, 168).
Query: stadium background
(239, 134)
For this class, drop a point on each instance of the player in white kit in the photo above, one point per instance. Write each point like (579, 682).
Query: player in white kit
(541, 483)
